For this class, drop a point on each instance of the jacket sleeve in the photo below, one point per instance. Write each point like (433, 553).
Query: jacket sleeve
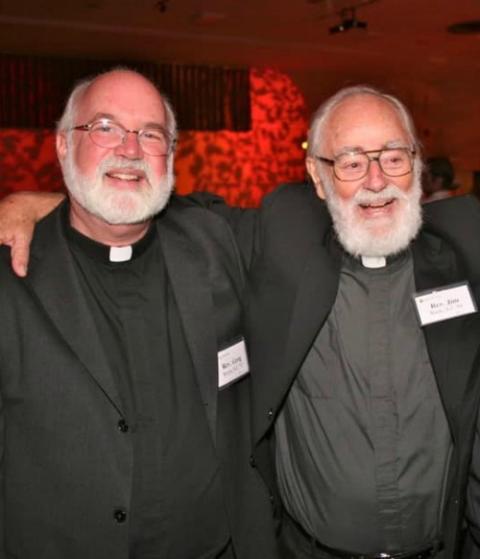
(2, 496)
(473, 495)
(457, 220)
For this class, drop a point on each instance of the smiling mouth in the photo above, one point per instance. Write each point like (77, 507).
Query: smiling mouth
(377, 205)
(125, 176)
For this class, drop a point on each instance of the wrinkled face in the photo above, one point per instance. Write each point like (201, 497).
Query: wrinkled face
(375, 215)
(123, 184)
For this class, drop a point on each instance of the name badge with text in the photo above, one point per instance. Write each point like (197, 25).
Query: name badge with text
(232, 363)
(444, 303)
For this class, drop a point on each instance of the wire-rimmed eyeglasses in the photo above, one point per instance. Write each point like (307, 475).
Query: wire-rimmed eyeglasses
(105, 133)
(351, 166)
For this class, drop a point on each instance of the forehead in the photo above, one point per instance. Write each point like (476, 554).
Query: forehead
(128, 98)
(364, 122)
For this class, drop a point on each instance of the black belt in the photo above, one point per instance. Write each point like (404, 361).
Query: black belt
(426, 553)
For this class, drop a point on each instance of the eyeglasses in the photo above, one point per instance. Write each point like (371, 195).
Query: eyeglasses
(108, 134)
(393, 162)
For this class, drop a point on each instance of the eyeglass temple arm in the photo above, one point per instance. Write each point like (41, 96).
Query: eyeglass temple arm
(330, 162)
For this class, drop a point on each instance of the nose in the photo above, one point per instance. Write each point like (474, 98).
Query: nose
(130, 147)
(376, 180)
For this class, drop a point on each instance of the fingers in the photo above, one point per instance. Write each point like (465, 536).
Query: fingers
(19, 243)
(16, 232)
(20, 252)
(18, 214)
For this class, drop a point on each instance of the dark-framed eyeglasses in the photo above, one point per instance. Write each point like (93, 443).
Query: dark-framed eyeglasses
(351, 166)
(105, 133)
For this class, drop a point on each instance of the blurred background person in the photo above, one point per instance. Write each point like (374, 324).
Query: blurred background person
(438, 180)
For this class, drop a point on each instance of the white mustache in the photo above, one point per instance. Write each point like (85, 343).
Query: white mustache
(119, 163)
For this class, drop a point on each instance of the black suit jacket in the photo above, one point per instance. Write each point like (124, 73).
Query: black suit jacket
(66, 466)
(294, 280)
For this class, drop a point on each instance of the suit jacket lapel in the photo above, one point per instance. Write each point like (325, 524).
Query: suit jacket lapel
(54, 280)
(314, 300)
(301, 312)
(194, 301)
(452, 344)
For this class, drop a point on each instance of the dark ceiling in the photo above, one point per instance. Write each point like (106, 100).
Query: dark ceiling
(291, 34)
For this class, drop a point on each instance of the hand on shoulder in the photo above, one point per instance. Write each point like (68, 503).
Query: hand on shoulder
(19, 212)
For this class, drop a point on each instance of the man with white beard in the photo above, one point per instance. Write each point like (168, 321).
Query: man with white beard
(364, 333)
(115, 439)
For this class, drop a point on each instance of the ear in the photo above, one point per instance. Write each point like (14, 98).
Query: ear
(61, 145)
(312, 168)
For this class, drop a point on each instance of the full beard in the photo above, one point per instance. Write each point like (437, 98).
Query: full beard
(116, 206)
(377, 236)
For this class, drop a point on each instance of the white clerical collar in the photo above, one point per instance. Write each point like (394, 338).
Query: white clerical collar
(374, 261)
(121, 254)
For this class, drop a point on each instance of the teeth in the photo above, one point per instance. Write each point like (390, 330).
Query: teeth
(379, 204)
(124, 176)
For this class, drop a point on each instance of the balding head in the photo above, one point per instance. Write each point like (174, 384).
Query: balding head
(320, 119)
(84, 89)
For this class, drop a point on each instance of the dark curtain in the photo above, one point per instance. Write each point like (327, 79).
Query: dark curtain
(33, 91)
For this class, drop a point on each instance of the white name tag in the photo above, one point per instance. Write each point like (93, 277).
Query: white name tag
(444, 303)
(232, 364)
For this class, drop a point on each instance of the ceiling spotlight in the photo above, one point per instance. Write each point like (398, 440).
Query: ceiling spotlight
(349, 21)
(471, 27)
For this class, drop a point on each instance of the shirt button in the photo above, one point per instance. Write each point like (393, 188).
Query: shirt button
(120, 516)
(122, 426)
(270, 414)
(253, 463)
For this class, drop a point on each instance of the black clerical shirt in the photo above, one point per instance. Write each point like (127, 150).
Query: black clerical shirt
(176, 509)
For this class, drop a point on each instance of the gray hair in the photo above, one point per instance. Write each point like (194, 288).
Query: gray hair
(67, 120)
(320, 118)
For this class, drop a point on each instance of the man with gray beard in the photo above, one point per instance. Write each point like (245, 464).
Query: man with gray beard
(364, 340)
(115, 438)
